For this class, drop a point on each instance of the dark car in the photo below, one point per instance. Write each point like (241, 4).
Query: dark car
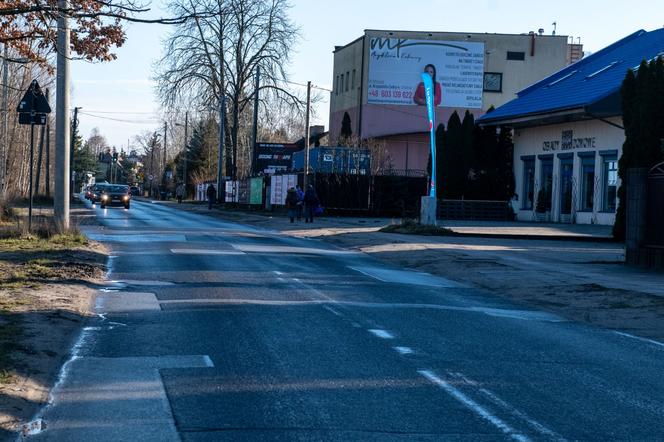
(95, 192)
(115, 194)
(135, 190)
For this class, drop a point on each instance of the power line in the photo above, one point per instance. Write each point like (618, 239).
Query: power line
(152, 121)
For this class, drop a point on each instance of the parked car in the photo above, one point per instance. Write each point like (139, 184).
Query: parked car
(115, 194)
(96, 192)
(135, 191)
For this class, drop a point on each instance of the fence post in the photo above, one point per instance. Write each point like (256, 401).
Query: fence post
(636, 212)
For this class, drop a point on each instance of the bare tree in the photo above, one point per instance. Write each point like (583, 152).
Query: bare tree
(217, 51)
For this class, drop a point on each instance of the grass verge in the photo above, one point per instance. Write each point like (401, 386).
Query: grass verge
(412, 227)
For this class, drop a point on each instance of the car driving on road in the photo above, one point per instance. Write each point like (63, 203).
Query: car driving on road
(115, 194)
(95, 192)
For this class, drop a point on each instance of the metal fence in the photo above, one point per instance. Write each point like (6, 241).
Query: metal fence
(655, 207)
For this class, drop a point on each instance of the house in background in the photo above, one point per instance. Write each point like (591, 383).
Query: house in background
(568, 135)
(376, 82)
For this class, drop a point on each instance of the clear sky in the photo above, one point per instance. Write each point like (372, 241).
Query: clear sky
(123, 90)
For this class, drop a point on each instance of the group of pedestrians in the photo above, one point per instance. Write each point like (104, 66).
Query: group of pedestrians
(298, 202)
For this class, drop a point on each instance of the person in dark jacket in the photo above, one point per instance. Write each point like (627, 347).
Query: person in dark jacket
(211, 195)
(300, 202)
(310, 204)
(291, 203)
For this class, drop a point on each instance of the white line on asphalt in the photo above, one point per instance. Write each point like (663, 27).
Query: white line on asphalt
(638, 338)
(281, 280)
(383, 334)
(208, 362)
(474, 406)
(533, 423)
(331, 310)
(277, 272)
(136, 282)
(205, 252)
(404, 350)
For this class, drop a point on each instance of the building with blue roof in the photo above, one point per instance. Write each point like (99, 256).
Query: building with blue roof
(568, 134)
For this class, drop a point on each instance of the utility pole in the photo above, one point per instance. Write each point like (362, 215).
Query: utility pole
(163, 174)
(61, 200)
(186, 151)
(72, 149)
(5, 126)
(254, 131)
(307, 135)
(222, 109)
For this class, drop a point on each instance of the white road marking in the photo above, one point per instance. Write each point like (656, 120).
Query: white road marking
(123, 302)
(141, 282)
(404, 350)
(406, 277)
(521, 415)
(257, 248)
(277, 272)
(638, 338)
(135, 238)
(331, 310)
(208, 362)
(98, 390)
(474, 406)
(383, 334)
(205, 252)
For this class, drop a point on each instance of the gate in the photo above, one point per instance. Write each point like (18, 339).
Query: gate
(655, 210)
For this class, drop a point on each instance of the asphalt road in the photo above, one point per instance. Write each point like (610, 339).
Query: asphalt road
(216, 331)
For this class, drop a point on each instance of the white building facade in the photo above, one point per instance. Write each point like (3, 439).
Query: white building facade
(568, 172)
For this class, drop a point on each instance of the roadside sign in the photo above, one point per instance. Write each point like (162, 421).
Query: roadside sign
(34, 100)
(27, 118)
(150, 177)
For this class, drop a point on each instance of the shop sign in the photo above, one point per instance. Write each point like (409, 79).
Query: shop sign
(568, 142)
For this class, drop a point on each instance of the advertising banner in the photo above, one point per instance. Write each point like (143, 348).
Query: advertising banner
(275, 157)
(456, 68)
(256, 191)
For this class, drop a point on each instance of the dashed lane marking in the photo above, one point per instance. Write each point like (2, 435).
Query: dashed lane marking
(205, 252)
(383, 334)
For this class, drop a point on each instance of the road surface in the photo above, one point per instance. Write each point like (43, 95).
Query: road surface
(213, 330)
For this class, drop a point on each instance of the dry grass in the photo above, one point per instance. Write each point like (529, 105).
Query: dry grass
(414, 228)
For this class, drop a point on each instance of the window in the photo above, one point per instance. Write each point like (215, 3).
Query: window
(587, 183)
(546, 188)
(337, 88)
(566, 184)
(342, 83)
(347, 80)
(528, 183)
(610, 182)
(516, 56)
(353, 82)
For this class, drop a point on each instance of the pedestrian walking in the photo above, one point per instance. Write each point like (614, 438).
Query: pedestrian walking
(310, 204)
(300, 202)
(179, 192)
(211, 195)
(291, 203)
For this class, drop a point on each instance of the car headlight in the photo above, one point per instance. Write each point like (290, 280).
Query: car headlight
(104, 197)
(125, 198)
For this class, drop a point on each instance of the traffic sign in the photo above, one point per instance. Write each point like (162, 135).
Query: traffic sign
(150, 177)
(34, 100)
(27, 118)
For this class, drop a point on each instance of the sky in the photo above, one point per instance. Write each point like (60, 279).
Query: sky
(118, 97)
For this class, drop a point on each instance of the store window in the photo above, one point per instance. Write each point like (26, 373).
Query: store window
(587, 183)
(546, 187)
(610, 182)
(528, 183)
(566, 185)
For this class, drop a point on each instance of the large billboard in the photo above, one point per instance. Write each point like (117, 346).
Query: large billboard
(396, 65)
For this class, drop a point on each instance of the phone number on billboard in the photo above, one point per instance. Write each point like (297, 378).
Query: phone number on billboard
(408, 95)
